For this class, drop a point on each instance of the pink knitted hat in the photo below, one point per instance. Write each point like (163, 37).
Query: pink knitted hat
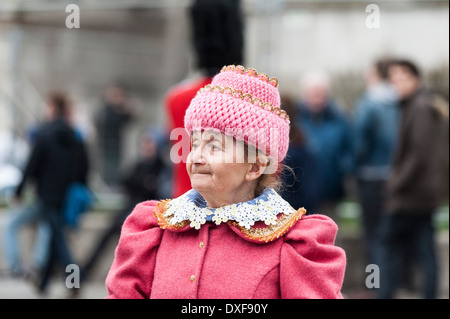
(244, 104)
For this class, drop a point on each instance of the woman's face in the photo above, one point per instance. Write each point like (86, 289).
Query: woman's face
(217, 168)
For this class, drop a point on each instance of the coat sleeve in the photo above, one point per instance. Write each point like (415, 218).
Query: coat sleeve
(362, 131)
(417, 134)
(311, 267)
(131, 273)
(34, 163)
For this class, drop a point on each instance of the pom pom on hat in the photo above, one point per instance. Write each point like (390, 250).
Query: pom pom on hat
(244, 104)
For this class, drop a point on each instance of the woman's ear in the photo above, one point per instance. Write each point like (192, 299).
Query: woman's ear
(256, 169)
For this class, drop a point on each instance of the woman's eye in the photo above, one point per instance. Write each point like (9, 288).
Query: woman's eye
(213, 147)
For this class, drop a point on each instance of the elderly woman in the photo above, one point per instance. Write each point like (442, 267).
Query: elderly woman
(232, 235)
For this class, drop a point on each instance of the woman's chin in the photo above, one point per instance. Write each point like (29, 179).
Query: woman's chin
(201, 182)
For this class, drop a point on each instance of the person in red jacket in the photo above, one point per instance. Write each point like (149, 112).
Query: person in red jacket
(232, 235)
(177, 101)
(218, 40)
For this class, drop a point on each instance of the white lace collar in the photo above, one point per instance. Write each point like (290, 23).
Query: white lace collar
(191, 206)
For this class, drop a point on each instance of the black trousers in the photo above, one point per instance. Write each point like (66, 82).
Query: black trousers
(60, 253)
(402, 232)
(372, 199)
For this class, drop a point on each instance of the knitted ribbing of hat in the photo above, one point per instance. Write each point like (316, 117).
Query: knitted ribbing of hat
(241, 119)
(250, 85)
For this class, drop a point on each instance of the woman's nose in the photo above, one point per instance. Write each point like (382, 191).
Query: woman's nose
(197, 156)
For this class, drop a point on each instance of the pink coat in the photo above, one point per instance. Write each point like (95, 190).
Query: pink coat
(225, 261)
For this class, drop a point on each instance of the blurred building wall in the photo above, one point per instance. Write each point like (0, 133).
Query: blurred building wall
(146, 44)
(145, 49)
(287, 38)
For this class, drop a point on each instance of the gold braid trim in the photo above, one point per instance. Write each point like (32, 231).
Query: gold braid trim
(271, 232)
(248, 98)
(250, 72)
(162, 222)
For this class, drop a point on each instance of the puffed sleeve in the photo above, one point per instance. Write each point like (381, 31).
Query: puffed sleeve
(311, 266)
(131, 273)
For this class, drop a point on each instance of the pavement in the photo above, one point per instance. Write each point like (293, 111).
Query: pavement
(81, 242)
(12, 288)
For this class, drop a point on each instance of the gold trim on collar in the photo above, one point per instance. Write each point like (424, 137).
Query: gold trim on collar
(162, 222)
(271, 232)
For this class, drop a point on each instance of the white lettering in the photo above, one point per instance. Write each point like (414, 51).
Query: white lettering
(373, 19)
(73, 280)
(373, 279)
(73, 19)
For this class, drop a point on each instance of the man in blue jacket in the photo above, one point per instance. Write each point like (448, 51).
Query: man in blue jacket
(375, 125)
(328, 135)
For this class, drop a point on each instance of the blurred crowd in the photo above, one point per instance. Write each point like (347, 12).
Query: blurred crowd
(393, 145)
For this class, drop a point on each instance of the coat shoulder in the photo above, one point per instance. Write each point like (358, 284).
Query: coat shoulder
(315, 227)
(142, 217)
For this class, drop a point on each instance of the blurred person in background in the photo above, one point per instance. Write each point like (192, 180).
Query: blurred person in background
(328, 136)
(218, 40)
(414, 188)
(141, 184)
(23, 214)
(114, 115)
(375, 134)
(58, 158)
(300, 183)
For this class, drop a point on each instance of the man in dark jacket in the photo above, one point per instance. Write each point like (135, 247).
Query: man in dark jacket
(58, 158)
(414, 186)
